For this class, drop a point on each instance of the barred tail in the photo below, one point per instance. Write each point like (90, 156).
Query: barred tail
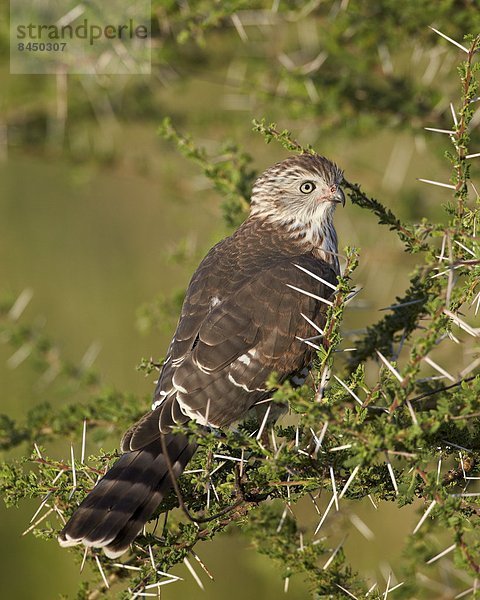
(115, 511)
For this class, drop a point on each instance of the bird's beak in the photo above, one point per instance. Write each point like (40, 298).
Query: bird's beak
(339, 196)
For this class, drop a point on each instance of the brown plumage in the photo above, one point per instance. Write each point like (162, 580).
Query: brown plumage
(241, 320)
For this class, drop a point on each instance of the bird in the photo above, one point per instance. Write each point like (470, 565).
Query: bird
(249, 311)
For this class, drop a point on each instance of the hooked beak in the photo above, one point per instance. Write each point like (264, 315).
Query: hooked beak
(339, 196)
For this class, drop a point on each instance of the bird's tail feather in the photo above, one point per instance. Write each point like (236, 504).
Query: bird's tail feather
(117, 508)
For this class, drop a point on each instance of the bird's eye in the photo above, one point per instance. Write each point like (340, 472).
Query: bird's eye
(307, 187)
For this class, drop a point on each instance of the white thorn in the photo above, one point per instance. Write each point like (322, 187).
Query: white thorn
(317, 277)
(194, 575)
(469, 368)
(454, 115)
(237, 23)
(264, 422)
(74, 472)
(207, 412)
(152, 560)
(90, 355)
(351, 392)
(465, 248)
(438, 368)
(465, 593)
(463, 466)
(442, 251)
(84, 441)
(158, 585)
(49, 511)
(99, 565)
(334, 488)
(19, 356)
(128, 567)
(327, 510)
(392, 476)
(477, 301)
(390, 367)
(387, 589)
(362, 527)
(224, 457)
(412, 412)
(323, 383)
(449, 39)
(333, 555)
(314, 325)
(274, 441)
(437, 556)
(439, 469)
(37, 450)
(425, 515)
(440, 184)
(42, 504)
(319, 298)
(20, 304)
(282, 519)
(84, 558)
(449, 131)
(346, 591)
(322, 433)
(338, 448)
(349, 481)
(164, 574)
(308, 342)
(458, 321)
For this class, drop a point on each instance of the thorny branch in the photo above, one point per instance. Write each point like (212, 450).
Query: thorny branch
(363, 437)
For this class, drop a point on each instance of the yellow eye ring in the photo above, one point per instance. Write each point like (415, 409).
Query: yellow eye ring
(307, 187)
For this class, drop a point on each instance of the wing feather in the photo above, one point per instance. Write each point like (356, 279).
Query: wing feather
(262, 322)
(240, 322)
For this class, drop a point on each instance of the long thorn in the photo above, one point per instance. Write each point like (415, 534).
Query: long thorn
(389, 366)
(317, 277)
(440, 554)
(439, 183)
(193, 574)
(349, 481)
(319, 298)
(334, 487)
(449, 39)
(351, 392)
(314, 325)
(425, 515)
(102, 573)
(84, 441)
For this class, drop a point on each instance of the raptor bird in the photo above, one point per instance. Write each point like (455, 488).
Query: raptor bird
(250, 306)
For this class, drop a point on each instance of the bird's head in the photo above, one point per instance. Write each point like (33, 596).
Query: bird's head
(301, 191)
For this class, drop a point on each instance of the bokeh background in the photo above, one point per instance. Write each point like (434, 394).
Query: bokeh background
(100, 216)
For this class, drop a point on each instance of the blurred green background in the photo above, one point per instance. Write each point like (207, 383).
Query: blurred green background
(98, 215)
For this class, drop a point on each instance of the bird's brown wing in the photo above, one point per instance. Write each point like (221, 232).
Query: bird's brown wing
(234, 345)
(252, 333)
